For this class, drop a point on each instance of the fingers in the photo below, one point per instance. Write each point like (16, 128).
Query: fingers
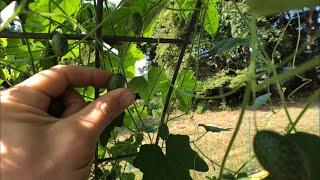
(54, 81)
(73, 102)
(91, 120)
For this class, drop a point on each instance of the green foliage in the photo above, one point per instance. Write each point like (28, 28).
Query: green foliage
(221, 30)
(60, 11)
(157, 81)
(106, 134)
(223, 79)
(211, 20)
(269, 7)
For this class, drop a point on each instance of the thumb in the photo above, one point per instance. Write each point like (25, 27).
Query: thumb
(96, 116)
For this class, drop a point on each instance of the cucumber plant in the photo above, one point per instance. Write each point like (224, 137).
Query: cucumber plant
(131, 140)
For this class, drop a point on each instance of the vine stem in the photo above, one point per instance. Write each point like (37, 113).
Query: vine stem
(251, 85)
(186, 40)
(33, 68)
(98, 50)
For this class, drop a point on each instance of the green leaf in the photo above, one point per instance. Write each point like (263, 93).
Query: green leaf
(188, 6)
(138, 85)
(228, 44)
(186, 82)
(157, 82)
(181, 156)
(211, 20)
(134, 54)
(153, 163)
(259, 101)
(310, 145)
(269, 7)
(120, 23)
(106, 134)
(137, 23)
(164, 131)
(127, 176)
(128, 146)
(214, 129)
(129, 122)
(37, 23)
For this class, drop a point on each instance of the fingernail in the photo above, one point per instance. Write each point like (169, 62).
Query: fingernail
(126, 99)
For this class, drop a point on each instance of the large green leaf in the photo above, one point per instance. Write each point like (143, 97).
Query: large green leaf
(228, 44)
(153, 163)
(134, 54)
(175, 165)
(139, 85)
(187, 7)
(269, 7)
(310, 145)
(157, 82)
(119, 20)
(180, 155)
(186, 82)
(211, 21)
(36, 23)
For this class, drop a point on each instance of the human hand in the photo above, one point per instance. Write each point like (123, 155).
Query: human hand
(35, 145)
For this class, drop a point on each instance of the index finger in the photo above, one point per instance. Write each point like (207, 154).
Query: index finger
(54, 81)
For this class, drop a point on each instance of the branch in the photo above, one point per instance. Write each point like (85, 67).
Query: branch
(107, 39)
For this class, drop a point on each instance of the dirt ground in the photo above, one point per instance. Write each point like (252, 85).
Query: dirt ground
(213, 145)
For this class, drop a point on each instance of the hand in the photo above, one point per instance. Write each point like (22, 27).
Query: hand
(35, 145)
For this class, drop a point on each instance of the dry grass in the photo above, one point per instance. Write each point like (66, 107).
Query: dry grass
(213, 145)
